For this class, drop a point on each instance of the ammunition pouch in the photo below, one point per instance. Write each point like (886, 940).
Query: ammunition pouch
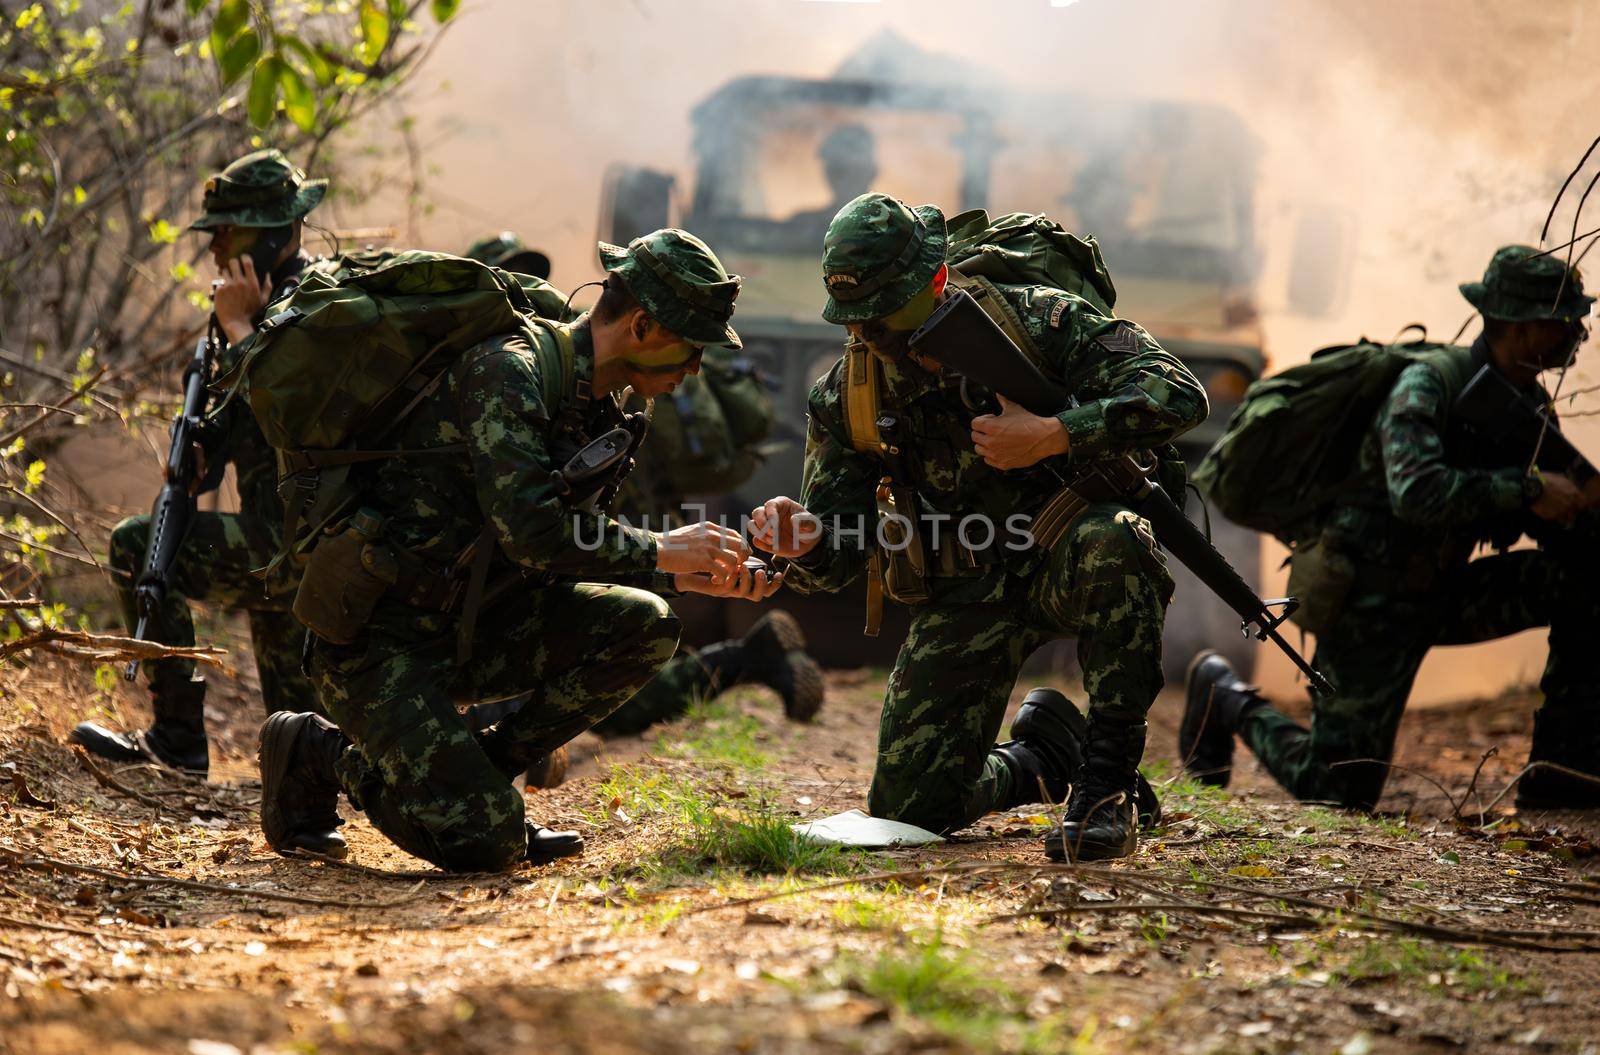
(1321, 576)
(348, 573)
(901, 549)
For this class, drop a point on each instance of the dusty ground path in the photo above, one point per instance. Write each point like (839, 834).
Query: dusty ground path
(1247, 923)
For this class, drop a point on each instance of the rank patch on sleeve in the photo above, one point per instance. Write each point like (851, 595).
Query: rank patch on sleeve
(1123, 340)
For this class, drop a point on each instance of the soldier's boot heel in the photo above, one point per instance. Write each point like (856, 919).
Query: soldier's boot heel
(773, 653)
(1045, 752)
(176, 738)
(299, 786)
(1564, 738)
(546, 845)
(1101, 820)
(1215, 703)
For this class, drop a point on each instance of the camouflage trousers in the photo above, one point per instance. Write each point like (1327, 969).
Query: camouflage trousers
(1379, 642)
(214, 565)
(422, 777)
(667, 696)
(1104, 584)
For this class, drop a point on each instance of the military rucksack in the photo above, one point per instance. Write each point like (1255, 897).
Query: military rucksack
(1292, 447)
(354, 349)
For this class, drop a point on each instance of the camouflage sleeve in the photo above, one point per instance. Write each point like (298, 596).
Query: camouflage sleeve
(838, 485)
(1134, 395)
(1423, 488)
(505, 421)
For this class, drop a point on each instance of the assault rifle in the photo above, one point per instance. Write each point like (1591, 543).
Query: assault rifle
(1503, 413)
(961, 335)
(177, 501)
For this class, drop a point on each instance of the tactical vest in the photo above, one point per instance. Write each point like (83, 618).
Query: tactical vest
(902, 574)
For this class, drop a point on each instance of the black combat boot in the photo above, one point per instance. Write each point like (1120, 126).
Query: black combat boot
(176, 738)
(1101, 819)
(546, 844)
(771, 653)
(545, 770)
(1217, 702)
(299, 786)
(1046, 754)
(1565, 738)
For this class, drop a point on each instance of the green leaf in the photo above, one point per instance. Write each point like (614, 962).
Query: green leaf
(195, 6)
(262, 100)
(374, 31)
(445, 10)
(239, 56)
(298, 101)
(321, 69)
(231, 17)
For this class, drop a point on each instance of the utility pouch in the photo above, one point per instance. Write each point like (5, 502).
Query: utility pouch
(348, 572)
(1321, 576)
(905, 577)
(905, 559)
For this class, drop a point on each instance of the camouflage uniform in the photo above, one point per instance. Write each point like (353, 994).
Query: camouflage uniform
(1103, 582)
(1431, 491)
(702, 442)
(581, 647)
(222, 550)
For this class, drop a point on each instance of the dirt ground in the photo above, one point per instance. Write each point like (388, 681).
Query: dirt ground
(141, 912)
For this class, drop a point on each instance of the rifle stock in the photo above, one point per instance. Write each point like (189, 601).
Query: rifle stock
(961, 336)
(1495, 407)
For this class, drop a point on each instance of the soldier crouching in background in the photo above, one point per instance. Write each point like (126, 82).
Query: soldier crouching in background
(1391, 575)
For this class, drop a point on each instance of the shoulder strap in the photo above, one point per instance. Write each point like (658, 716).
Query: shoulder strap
(995, 305)
(863, 398)
(1454, 364)
(564, 390)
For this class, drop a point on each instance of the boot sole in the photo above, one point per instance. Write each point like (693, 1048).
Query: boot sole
(809, 689)
(786, 631)
(1218, 777)
(273, 750)
(1056, 849)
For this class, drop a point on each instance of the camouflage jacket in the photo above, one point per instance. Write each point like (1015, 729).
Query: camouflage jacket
(1433, 490)
(1132, 396)
(497, 401)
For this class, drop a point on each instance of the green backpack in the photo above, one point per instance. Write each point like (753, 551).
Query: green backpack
(353, 350)
(1024, 249)
(1292, 447)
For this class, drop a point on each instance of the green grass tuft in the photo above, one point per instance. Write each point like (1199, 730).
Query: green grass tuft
(1435, 967)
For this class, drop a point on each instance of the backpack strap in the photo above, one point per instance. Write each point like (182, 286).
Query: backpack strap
(562, 386)
(1454, 364)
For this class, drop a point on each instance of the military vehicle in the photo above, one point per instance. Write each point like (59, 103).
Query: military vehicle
(1168, 190)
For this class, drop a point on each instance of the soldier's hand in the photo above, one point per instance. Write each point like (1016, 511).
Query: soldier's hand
(702, 549)
(784, 528)
(1016, 438)
(239, 297)
(1560, 500)
(750, 584)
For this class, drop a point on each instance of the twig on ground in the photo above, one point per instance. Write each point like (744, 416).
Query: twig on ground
(432, 875)
(50, 864)
(110, 783)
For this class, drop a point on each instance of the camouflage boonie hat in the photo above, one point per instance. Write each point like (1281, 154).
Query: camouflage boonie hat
(509, 252)
(680, 282)
(261, 189)
(1522, 285)
(877, 255)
